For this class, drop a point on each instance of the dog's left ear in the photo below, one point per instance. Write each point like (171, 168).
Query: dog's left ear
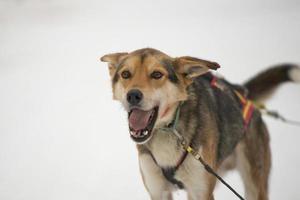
(113, 61)
(192, 67)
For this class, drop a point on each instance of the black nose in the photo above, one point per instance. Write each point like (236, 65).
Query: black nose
(134, 97)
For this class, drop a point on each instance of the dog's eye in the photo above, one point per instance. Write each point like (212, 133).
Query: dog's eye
(156, 75)
(126, 74)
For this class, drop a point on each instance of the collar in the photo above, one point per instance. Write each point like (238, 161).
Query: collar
(173, 124)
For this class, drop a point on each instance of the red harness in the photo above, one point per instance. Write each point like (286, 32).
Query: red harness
(248, 106)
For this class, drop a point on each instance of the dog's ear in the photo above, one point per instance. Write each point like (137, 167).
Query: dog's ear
(113, 61)
(192, 67)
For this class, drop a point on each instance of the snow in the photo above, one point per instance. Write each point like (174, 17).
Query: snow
(62, 136)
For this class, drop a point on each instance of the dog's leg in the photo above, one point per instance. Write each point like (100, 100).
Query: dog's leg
(154, 181)
(227, 165)
(253, 163)
(201, 184)
(203, 191)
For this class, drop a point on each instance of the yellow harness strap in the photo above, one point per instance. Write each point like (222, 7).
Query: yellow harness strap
(248, 108)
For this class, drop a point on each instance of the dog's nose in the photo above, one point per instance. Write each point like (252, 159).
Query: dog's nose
(134, 97)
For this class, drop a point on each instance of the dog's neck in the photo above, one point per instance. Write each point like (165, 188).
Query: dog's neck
(167, 115)
(164, 145)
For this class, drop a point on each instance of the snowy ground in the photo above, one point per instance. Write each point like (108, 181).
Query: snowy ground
(61, 135)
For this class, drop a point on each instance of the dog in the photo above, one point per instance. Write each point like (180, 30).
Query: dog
(152, 86)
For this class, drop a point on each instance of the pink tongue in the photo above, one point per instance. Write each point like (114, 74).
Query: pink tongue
(138, 119)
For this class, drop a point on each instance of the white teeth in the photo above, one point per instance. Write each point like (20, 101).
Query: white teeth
(139, 134)
(132, 133)
(145, 132)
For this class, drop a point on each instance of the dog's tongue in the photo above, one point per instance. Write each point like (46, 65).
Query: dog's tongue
(138, 119)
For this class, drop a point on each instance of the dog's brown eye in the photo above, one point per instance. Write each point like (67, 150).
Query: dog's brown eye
(126, 74)
(156, 75)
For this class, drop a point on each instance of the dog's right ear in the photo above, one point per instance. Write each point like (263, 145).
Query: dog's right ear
(113, 60)
(191, 67)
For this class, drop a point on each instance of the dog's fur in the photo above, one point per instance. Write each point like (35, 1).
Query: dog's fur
(210, 119)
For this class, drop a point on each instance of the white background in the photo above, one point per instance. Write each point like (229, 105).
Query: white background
(61, 135)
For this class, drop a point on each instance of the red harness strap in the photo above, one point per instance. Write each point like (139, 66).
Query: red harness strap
(248, 106)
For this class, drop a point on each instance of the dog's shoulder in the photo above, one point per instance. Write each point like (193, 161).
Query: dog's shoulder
(224, 105)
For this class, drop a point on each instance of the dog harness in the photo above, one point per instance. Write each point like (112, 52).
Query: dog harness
(247, 105)
(169, 172)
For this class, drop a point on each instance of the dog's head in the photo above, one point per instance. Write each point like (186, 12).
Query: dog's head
(150, 85)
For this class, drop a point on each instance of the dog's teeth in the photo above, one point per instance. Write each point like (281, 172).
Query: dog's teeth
(139, 134)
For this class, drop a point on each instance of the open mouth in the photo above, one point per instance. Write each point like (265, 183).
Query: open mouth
(141, 124)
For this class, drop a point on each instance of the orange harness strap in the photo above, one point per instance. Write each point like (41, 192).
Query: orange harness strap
(248, 106)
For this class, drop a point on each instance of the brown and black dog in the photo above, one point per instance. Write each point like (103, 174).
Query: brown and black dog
(152, 85)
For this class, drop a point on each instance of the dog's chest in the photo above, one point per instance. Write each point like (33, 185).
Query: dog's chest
(165, 149)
